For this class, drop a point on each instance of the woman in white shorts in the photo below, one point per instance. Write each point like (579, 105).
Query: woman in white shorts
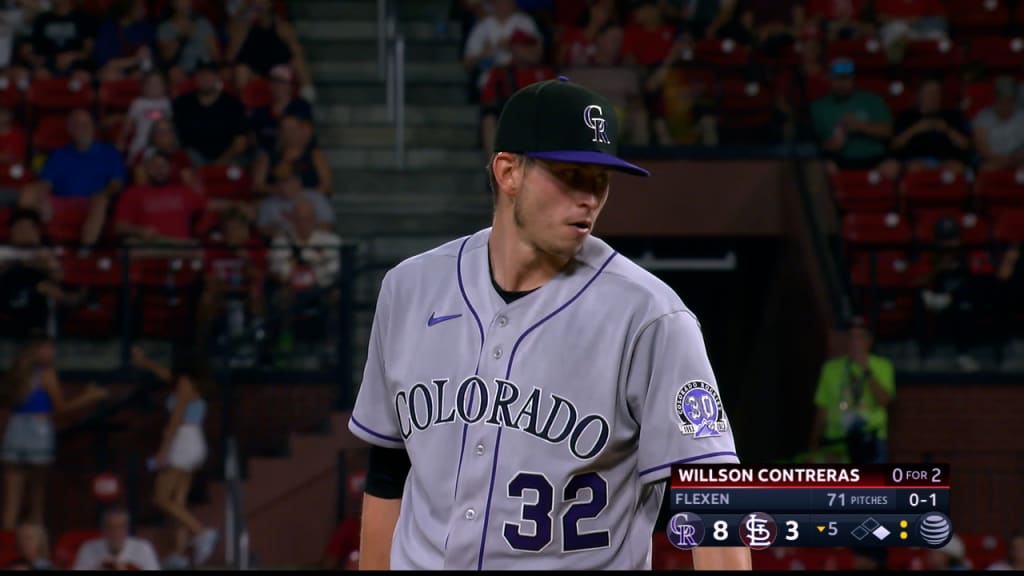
(182, 452)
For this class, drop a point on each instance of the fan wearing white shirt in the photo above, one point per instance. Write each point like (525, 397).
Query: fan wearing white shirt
(487, 44)
(116, 550)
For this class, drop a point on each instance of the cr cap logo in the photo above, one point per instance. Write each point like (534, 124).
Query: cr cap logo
(594, 119)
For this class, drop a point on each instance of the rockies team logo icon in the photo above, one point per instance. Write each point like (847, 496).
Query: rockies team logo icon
(758, 530)
(700, 410)
(685, 530)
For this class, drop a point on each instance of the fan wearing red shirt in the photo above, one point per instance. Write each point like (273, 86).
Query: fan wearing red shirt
(576, 44)
(503, 81)
(648, 39)
(160, 211)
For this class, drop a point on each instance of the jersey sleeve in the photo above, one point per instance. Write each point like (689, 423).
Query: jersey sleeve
(373, 417)
(673, 394)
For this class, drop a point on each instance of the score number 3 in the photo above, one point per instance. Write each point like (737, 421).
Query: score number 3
(523, 536)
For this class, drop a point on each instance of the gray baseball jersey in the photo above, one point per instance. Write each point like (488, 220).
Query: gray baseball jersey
(536, 430)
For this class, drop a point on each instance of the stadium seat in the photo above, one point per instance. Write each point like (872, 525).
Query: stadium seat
(50, 133)
(868, 54)
(58, 95)
(935, 188)
(977, 17)
(974, 230)
(67, 547)
(997, 54)
(831, 10)
(11, 95)
(874, 228)
(171, 272)
(900, 96)
(1009, 225)
(225, 181)
(65, 226)
(997, 189)
(931, 56)
(746, 110)
(5, 220)
(983, 549)
(893, 269)
(977, 97)
(15, 175)
(183, 87)
(97, 269)
(864, 191)
(117, 95)
(719, 54)
(902, 558)
(256, 93)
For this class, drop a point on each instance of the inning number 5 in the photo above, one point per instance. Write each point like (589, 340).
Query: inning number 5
(533, 532)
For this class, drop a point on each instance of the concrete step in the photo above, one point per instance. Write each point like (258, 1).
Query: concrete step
(375, 93)
(455, 137)
(416, 158)
(364, 71)
(469, 183)
(367, 9)
(359, 50)
(360, 224)
(366, 29)
(417, 202)
(364, 115)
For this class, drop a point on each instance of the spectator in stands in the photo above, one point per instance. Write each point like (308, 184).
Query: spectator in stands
(234, 279)
(647, 39)
(275, 212)
(679, 100)
(844, 19)
(775, 25)
(266, 120)
(577, 44)
(33, 549)
(182, 450)
(502, 81)
(16, 17)
(1014, 554)
(211, 123)
(952, 556)
(259, 41)
(487, 44)
(116, 549)
(904, 20)
(305, 265)
(152, 105)
(159, 212)
(931, 136)
(30, 276)
(295, 153)
(948, 296)
(853, 126)
(187, 40)
(999, 129)
(85, 168)
(33, 394)
(125, 42)
(62, 42)
(713, 19)
(852, 399)
(164, 140)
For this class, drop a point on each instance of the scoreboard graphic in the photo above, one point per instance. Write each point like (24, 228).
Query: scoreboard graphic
(811, 505)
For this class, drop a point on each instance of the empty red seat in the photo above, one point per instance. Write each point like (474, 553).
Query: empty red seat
(936, 187)
(68, 544)
(5, 223)
(977, 97)
(864, 191)
(96, 317)
(978, 16)
(15, 175)
(930, 55)
(725, 53)
(893, 269)
(65, 226)
(900, 96)
(867, 54)
(997, 54)
(745, 105)
(984, 549)
(50, 133)
(256, 93)
(225, 181)
(101, 268)
(996, 189)
(973, 229)
(11, 95)
(1009, 226)
(832, 10)
(171, 272)
(117, 95)
(57, 95)
(907, 9)
(876, 228)
(183, 87)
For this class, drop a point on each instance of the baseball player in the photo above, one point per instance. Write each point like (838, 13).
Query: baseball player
(527, 388)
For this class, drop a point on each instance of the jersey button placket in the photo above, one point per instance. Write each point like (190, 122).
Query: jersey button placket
(496, 352)
(470, 514)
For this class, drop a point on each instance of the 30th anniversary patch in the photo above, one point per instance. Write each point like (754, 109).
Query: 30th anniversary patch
(700, 410)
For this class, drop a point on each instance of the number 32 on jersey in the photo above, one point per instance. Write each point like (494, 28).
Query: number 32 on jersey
(587, 496)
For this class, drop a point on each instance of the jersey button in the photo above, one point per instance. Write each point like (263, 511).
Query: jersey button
(479, 449)
(502, 321)
(470, 514)
(497, 352)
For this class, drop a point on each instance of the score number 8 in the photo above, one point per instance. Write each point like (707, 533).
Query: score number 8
(721, 530)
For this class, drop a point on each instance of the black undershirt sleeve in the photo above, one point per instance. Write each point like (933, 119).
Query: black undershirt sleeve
(387, 471)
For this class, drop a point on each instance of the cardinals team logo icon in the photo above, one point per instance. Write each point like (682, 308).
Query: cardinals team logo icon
(700, 410)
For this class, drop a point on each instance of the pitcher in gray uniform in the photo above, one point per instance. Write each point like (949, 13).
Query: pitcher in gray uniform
(527, 388)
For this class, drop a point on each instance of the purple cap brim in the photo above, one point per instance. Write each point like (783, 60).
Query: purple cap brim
(589, 157)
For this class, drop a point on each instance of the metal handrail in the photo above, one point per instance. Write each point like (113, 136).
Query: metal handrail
(391, 44)
(236, 553)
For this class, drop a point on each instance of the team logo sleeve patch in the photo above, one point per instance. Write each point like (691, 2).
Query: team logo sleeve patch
(699, 410)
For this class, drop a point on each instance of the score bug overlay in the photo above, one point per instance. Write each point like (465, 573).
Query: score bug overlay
(760, 506)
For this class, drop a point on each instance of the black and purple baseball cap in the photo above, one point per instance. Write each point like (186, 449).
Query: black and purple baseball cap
(562, 121)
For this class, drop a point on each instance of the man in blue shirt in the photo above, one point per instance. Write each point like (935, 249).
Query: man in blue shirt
(85, 168)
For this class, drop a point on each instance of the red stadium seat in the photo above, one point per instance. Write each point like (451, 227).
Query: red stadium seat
(97, 269)
(719, 53)
(1009, 226)
(998, 54)
(11, 95)
(976, 17)
(936, 187)
(59, 95)
(973, 229)
(183, 87)
(65, 226)
(256, 93)
(744, 107)
(97, 317)
(908, 8)
(864, 191)
(15, 175)
(893, 269)
(999, 189)
(165, 272)
(67, 547)
(900, 96)
(51, 132)
(225, 181)
(867, 228)
(5, 224)
(902, 558)
(867, 54)
(930, 56)
(977, 97)
(117, 95)
(984, 549)
(831, 10)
